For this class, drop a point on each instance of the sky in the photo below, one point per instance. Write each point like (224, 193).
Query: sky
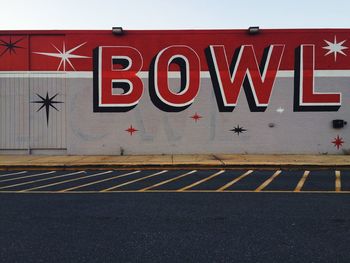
(174, 14)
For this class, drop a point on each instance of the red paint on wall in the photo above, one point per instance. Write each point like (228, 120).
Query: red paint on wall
(149, 43)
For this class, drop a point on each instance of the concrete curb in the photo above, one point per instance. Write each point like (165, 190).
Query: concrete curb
(223, 161)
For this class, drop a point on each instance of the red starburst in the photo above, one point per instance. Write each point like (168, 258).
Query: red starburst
(338, 142)
(131, 130)
(196, 117)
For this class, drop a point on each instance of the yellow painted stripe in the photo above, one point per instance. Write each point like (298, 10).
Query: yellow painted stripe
(238, 191)
(4, 175)
(337, 181)
(201, 181)
(302, 181)
(167, 181)
(268, 181)
(27, 176)
(41, 180)
(99, 181)
(66, 181)
(175, 191)
(133, 181)
(234, 181)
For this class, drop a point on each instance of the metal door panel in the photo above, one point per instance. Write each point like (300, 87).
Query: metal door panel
(48, 111)
(14, 111)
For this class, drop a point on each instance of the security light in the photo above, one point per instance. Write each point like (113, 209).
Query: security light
(117, 30)
(253, 30)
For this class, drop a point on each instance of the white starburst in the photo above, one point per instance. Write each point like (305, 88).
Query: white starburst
(64, 55)
(280, 110)
(335, 48)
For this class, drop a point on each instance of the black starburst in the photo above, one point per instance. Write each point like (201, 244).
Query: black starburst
(47, 103)
(238, 130)
(10, 47)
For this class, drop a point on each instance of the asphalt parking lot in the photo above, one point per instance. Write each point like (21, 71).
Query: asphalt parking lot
(175, 216)
(281, 181)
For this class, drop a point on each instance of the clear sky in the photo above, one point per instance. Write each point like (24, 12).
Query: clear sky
(174, 14)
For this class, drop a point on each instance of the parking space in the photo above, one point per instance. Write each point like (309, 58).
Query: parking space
(184, 179)
(35, 180)
(345, 180)
(286, 181)
(97, 182)
(320, 181)
(144, 181)
(251, 181)
(327, 181)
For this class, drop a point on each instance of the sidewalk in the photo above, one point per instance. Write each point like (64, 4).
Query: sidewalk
(171, 161)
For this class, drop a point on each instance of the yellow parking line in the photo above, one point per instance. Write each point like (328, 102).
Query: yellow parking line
(24, 177)
(4, 175)
(175, 191)
(290, 192)
(337, 181)
(40, 180)
(302, 181)
(234, 181)
(96, 182)
(166, 181)
(66, 181)
(268, 181)
(201, 181)
(133, 181)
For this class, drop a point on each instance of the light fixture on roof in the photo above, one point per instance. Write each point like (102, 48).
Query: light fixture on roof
(118, 30)
(253, 30)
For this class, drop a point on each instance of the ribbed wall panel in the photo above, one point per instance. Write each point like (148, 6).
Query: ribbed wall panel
(22, 124)
(14, 112)
(49, 134)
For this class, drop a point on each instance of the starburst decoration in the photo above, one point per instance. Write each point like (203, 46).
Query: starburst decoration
(131, 130)
(10, 47)
(196, 117)
(47, 102)
(238, 130)
(338, 142)
(64, 55)
(280, 110)
(335, 48)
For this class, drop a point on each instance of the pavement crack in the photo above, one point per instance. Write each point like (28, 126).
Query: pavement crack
(218, 159)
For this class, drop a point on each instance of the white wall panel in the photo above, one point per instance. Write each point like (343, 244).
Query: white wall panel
(48, 125)
(14, 111)
(22, 125)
